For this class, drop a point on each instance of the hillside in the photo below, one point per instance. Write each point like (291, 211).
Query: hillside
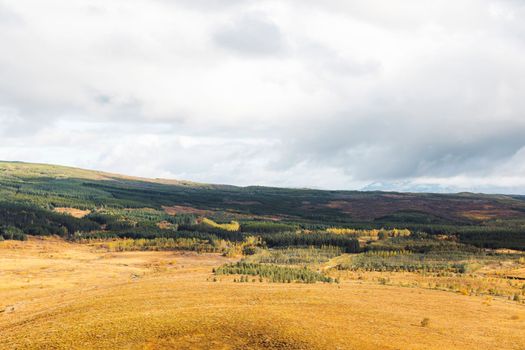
(61, 186)
(495, 220)
(92, 260)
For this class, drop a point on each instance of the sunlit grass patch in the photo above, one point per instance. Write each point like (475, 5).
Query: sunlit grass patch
(232, 226)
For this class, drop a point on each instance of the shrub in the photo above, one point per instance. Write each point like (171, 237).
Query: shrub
(11, 232)
(249, 250)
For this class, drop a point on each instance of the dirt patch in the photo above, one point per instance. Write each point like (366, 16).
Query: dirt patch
(488, 214)
(164, 225)
(459, 208)
(181, 209)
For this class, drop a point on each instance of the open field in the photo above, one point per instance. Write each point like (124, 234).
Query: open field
(60, 295)
(90, 260)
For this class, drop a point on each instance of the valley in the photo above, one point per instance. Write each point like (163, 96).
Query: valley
(90, 260)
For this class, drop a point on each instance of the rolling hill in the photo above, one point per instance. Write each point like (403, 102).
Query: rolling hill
(62, 186)
(493, 220)
(93, 260)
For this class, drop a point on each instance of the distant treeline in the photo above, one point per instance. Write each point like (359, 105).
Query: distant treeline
(18, 219)
(294, 239)
(35, 221)
(493, 235)
(117, 220)
(267, 227)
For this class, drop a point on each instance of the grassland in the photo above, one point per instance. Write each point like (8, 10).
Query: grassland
(62, 295)
(91, 260)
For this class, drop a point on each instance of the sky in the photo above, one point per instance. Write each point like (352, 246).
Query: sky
(411, 95)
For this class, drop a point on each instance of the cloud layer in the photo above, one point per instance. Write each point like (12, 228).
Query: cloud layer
(422, 95)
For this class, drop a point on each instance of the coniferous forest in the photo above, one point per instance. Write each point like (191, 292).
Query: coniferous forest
(32, 194)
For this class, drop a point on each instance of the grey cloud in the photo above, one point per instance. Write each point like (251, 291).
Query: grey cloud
(429, 90)
(323, 59)
(459, 113)
(373, 149)
(13, 125)
(340, 65)
(251, 34)
(103, 99)
(8, 16)
(118, 107)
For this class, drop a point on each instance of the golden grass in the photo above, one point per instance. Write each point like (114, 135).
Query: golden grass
(58, 295)
(77, 213)
(232, 226)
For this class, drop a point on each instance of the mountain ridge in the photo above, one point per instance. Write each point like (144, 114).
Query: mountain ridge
(57, 185)
(169, 181)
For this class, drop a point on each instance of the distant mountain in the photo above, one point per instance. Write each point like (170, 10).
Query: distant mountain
(413, 186)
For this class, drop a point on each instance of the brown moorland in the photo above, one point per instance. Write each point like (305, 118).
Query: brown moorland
(60, 295)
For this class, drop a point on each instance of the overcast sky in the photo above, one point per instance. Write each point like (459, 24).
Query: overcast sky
(412, 95)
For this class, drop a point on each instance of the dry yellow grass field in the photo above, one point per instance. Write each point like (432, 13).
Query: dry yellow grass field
(60, 295)
(77, 213)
